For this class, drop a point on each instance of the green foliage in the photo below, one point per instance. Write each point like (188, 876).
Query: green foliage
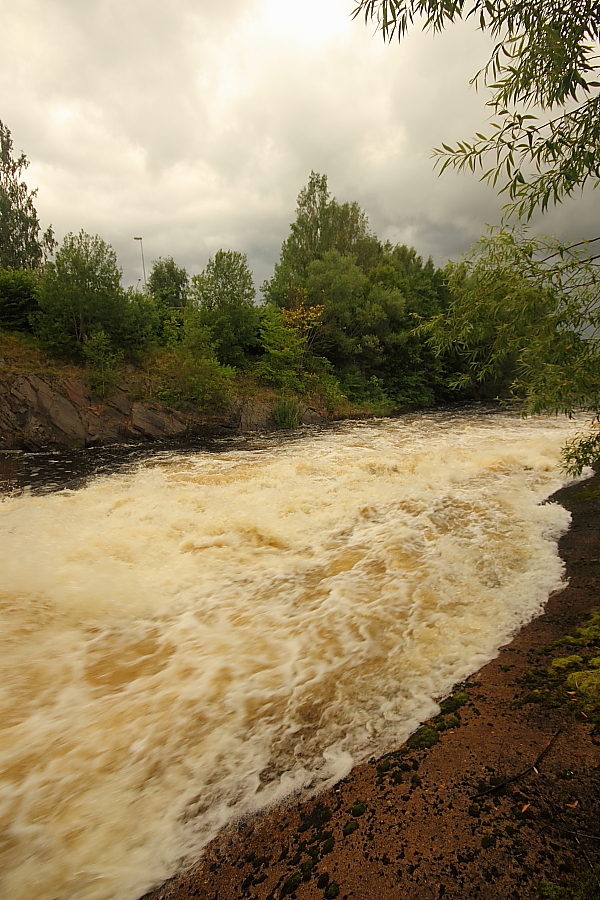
(78, 294)
(524, 315)
(168, 283)
(365, 391)
(367, 294)
(281, 363)
(545, 55)
(142, 325)
(582, 450)
(584, 887)
(17, 298)
(286, 412)
(423, 738)
(322, 224)
(21, 245)
(188, 372)
(224, 293)
(102, 362)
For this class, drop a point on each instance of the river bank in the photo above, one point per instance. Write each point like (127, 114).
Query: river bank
(40, 411)
(409, 825)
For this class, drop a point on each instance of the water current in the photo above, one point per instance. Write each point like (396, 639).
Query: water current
(190, 635)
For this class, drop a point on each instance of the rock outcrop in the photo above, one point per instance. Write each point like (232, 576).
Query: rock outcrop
(38, 411)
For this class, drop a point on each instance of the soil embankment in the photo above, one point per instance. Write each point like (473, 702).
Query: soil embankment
(408, 826)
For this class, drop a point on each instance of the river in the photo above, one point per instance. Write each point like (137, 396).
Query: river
(189, 635)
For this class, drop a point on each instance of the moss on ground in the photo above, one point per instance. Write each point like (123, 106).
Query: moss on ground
(573, 679)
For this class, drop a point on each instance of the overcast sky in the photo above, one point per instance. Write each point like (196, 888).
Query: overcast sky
(195, 123)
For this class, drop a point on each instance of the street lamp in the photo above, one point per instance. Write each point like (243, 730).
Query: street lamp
(143, 263)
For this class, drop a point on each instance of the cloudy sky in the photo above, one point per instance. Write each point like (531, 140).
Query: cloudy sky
(195, 123)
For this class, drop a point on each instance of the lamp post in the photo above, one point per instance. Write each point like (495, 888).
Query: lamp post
(143, 263)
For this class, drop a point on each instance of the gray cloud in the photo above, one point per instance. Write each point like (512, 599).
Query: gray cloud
(195, 124)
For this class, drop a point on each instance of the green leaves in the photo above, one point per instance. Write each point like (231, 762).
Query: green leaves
(543, 56)
(21, 245)
(224, 295)
(525, 318)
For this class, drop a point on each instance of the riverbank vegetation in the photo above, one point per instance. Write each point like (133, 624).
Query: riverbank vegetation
(346, 324)
(335, 325)
(525, 310)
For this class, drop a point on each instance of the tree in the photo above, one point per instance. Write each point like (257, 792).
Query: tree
(188, 372)
(224, 294)
(168, 283)
(525, 315)
(366, 294)
(545, 56)
(283, 347)
(525, 309)
(21, 246)
(78, 294)
(18, 299)
(321, 225)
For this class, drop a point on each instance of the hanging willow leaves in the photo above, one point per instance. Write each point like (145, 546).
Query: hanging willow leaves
(545, 56)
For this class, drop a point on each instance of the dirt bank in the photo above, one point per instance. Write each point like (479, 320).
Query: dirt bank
(407, 827)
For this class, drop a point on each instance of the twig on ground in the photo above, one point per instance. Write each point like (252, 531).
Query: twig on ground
(497, 787)
(589, 862)
(591, 837)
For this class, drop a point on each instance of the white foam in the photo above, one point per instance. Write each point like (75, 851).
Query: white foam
(202, 637)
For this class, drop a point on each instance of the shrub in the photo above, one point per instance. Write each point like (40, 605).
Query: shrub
(17, 299)
(186, 380)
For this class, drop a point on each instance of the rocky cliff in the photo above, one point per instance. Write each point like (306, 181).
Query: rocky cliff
(38, 411)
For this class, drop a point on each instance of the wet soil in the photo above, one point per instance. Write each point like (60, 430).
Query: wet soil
(409, 826)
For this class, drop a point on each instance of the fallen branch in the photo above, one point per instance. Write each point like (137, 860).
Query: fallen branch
(497, 787)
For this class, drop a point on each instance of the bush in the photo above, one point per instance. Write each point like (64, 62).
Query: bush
(186, 380)
(281, 363)
(17, 299)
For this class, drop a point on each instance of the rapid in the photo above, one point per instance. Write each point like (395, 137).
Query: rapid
(197, 636)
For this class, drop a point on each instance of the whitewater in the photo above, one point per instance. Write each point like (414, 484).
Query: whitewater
(197, 636)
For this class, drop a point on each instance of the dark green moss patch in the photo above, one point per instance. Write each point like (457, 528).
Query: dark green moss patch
(451, 704)
(291, 884)
(306, 869)
(349, 827)
(423, 738)
(585, 887)
(317, 818)
(358, 809)
(328, 845)
(332, 890)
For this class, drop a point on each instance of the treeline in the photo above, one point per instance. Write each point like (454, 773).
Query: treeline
(337, 321)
